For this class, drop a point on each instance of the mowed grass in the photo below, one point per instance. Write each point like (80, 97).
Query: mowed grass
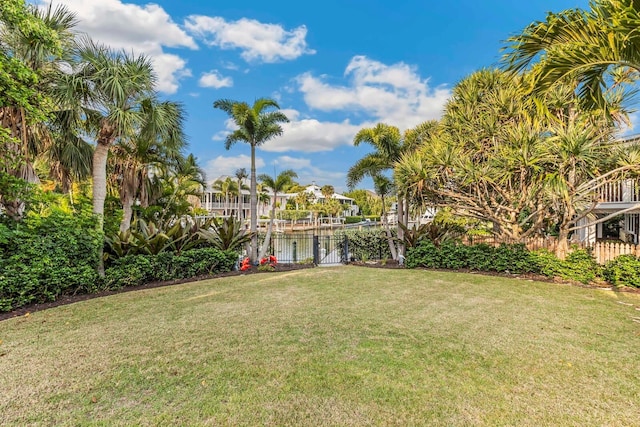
(343, 346)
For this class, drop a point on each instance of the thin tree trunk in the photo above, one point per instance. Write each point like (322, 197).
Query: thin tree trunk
(400, 215)
(253, 256)
(267, 238)
(387, 229)
(563, 243)
(100, 193)
(100, 180)
(127, 213)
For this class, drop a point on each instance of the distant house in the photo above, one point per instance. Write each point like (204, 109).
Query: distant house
(349, 206)
(622, 197)
(216, 203)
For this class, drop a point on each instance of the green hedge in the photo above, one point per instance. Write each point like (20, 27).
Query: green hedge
(623, 271)
(136, 270)
(579, 265)
(481, 257)
(42, 258)
(366, 244)
(352, 219)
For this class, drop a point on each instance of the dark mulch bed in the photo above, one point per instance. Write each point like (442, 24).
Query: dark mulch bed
(70, 299)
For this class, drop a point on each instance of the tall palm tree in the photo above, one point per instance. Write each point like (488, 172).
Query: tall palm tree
(277, 185)
(388, 148)
(101, 95)
(598, 49)
(105, 90)
(241, 175)
(256, 125)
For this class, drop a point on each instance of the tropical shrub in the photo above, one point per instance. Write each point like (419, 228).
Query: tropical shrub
(226, 234)
(426, 254)
(623, 271)
(154, 237)
(579, 265)
(364, 244)
(46, 256)
(481, 257)
(352, 219)
(136, 270)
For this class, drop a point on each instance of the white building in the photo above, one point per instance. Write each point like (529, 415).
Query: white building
(216, 203)
(622, 198)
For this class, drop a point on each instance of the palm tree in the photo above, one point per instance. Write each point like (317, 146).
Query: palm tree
(388, 145)
(598, 49)
(384, 187)
(158, 141)
(241, 175)
(184, 181)
(276, 185)
(227, 187)
(256, 125)
(327, 191)
(105, 90)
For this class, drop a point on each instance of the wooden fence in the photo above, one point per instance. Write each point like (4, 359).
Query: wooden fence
(602, 251)
(606, 251)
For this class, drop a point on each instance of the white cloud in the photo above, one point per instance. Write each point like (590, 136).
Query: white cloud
(228, 65)
(222, 165)
(139, 29)
(258, 41)
(395, 94)
(295, 163)
(308, 173)
(215, 80)
(311, 135)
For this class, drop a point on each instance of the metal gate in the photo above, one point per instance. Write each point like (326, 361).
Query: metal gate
(307, 249)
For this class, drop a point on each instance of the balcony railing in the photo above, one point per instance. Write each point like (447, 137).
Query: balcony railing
(620, 192)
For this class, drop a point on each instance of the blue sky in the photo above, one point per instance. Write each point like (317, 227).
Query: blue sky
(333, 66)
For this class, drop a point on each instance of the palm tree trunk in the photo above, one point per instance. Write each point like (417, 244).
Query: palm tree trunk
(267, 238)
(387, 229)
(100, 192)
(100, 179)
(127, 213)
(253, 255)
(400, 215)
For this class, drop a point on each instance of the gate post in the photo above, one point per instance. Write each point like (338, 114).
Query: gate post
(345, 252)
(295, 251)
(316, 250)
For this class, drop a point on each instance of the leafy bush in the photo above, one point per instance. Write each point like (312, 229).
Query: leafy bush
(192, 263)
(426, 254)
(623, 271)
(152, 238)
(364, 244)
(135, 270)
(579, 266)
(293, 215)
(226, 234)
(352, 219)
(44, 257)
(130, 270)
(481, 257)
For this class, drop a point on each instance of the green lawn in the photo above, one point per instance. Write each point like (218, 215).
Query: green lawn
(329, 346)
